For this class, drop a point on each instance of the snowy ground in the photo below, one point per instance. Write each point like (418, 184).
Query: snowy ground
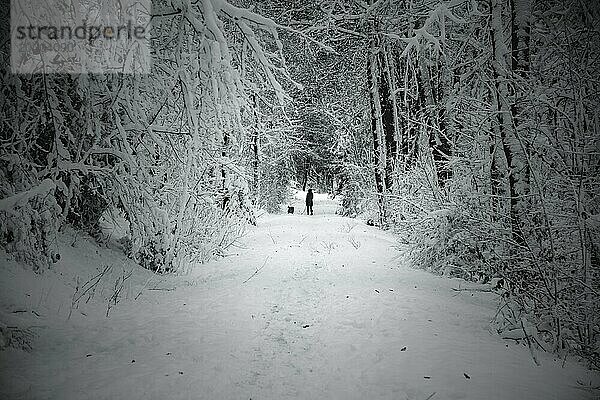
(332, 313)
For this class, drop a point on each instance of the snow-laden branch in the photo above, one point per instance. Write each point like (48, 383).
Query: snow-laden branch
(438, 15)
(268, 24)
(9, 203)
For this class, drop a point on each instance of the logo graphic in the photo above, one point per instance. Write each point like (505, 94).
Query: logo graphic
(80, 36)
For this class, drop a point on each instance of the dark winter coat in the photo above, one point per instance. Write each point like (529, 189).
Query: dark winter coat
(309, 198)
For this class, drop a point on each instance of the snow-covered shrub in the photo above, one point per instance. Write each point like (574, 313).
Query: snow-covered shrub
(87, 204)
(29, 221)
(16, 338)
(445, 237)
(274, 190)
(356, 199)
(546, 297)
(167, 149)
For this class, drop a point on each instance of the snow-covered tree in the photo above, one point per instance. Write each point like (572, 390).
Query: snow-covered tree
(168, 149)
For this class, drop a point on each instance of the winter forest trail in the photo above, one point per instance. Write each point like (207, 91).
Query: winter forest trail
(332, 313)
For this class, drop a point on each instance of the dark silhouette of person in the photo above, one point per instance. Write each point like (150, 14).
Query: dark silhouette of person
(309, 202)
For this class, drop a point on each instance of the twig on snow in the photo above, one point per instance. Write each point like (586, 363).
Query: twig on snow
(88, 288)
(529, 343)
(271, 236)
(473, 290)
(303, 237)
(257, 270)
(118, 288)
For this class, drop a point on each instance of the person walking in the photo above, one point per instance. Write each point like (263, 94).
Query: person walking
(309, 202)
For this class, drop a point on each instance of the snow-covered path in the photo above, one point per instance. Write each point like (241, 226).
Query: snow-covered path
(332, 313)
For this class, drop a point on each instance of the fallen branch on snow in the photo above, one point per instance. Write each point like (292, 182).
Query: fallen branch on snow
(257, 271)
(473, 290)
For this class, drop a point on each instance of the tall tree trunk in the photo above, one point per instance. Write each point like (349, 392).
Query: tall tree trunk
(497, 169)
(510, 144)
(305, 178)
(520, 64)
(439, 140)
(520, 36)
(402, 106)
(414, 107)
(255, 157)
(224, 186)
(375, 109)
(388, 119)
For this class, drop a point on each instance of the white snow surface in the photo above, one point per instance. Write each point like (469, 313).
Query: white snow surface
(334, 312)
